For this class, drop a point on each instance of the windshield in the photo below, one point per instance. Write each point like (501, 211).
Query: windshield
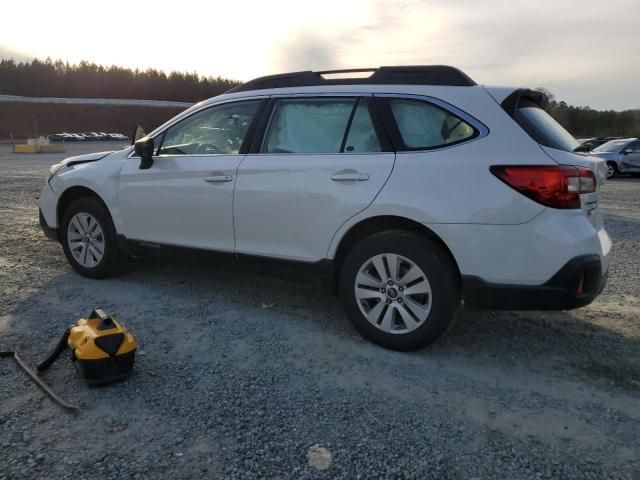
(543, 128)
(611, 146)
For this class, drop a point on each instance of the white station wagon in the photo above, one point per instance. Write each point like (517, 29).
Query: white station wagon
(416, 190)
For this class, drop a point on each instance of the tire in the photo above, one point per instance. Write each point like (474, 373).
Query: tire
(88, 214)
(612, 169)
(406, 321)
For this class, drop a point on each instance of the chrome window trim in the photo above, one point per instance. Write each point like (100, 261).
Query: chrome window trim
(323, 94)
(319, 153)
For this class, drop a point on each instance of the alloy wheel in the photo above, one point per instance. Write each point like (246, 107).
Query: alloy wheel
(393, 293)
(611, 171)
(85, 239)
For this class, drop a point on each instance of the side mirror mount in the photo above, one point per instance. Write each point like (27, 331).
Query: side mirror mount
(138, 133)
(144, 149)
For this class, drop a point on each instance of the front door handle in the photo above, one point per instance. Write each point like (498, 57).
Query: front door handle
(219, 179)
(349, 176)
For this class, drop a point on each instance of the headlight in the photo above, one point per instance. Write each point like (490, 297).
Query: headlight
(54, 169)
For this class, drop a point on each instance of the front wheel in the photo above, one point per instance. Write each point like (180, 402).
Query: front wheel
(612, 169)
(89, 239)
(399, 289)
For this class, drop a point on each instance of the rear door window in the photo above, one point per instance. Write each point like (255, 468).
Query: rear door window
(423, 125)
(320, 125)
(543, 128)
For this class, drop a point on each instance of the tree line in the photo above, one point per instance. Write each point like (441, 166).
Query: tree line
(587, 122)
(88, 80)
(51, 78)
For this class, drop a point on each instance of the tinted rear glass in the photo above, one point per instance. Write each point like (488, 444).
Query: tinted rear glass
(543, 128)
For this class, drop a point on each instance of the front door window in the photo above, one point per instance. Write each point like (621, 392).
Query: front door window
(217, 130)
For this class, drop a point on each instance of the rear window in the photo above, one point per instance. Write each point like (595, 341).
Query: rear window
(543, 128)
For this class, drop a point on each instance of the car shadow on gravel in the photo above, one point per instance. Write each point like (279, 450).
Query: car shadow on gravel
(188, 289)
(544, 342)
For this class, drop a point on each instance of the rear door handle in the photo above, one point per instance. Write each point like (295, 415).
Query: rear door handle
(219, 179)
(349, 177)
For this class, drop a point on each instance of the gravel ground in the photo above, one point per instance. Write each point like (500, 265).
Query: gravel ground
(243, 375)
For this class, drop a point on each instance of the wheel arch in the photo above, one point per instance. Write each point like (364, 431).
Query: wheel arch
(377, 224)
(73, 193)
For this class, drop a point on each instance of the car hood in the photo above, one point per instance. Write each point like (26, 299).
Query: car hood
(89, 157)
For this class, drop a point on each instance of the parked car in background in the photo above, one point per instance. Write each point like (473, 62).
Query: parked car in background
(415, 191)
(589, 144)
(91, 136)
(59, 137)
(118, 136)
(622, 156)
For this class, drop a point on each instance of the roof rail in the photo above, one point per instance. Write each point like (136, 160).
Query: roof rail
(407, 75)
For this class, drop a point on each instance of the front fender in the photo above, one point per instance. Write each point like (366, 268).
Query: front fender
(101, 177)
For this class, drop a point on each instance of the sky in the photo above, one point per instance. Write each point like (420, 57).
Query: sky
(585, 52)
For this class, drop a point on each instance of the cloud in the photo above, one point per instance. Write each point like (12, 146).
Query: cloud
(583, 54)
(308, 49)
(586, 53)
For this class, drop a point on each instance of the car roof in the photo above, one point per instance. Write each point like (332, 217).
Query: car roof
(391, 75)
(443, 92)
(443, 82)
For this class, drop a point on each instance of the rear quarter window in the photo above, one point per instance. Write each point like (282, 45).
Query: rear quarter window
(424, 126)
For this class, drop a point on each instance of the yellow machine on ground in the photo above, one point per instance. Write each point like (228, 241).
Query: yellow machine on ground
(103, 350)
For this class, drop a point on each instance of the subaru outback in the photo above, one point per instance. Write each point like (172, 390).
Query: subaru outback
(415, 189)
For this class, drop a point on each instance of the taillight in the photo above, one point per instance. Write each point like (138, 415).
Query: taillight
(557, 186)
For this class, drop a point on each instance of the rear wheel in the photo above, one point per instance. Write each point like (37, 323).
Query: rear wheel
(89, 239)
(399, 289)
(612, 169)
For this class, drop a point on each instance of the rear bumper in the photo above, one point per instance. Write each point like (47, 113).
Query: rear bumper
(575, 285)
(50, 232)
